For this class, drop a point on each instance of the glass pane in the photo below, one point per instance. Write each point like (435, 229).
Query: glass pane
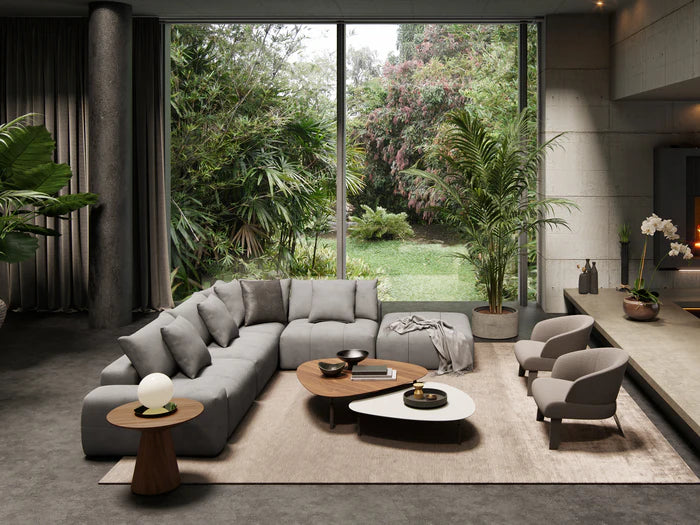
(402, 80)
(253, 151)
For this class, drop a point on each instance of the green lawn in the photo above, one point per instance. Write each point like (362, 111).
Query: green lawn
(418, 271)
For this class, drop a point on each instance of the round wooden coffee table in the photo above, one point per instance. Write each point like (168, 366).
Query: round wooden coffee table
(315, 382)
(156, 469)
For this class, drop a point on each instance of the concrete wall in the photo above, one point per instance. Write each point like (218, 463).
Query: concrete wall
(656, 50)
(605, 162)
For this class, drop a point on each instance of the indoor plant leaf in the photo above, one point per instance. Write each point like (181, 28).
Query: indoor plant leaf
(45, 178)
(67, 203)
(33, 228)
(24, 147)
(16, 247)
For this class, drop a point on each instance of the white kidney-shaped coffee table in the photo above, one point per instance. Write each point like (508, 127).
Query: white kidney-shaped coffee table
(459, 406)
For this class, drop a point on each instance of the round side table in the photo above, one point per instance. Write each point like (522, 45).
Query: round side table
(156, 469)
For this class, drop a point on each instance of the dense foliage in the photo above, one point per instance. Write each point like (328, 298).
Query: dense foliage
(440, 67)
(253, 149)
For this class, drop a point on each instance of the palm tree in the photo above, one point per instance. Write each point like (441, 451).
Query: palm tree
(482, 192)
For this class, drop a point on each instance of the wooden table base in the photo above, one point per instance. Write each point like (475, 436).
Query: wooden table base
(156, 470)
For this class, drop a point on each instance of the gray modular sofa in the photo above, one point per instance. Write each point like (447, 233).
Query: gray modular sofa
(278, 324)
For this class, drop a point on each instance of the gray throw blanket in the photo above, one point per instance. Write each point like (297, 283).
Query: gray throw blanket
(451, 345)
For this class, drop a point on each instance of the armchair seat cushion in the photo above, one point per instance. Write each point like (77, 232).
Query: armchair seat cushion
(550, 396)
(303, 341)
(528, 353)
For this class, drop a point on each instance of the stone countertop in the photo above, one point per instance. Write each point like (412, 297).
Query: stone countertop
(665, 352)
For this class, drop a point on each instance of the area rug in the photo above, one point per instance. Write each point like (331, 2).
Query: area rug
(285, 438)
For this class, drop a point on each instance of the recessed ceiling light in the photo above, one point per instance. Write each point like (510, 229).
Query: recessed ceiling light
(599, 3)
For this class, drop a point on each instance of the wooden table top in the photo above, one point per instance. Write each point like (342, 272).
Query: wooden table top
(123, 416)
(315, 382)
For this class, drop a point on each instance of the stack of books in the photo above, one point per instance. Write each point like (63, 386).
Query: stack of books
(373, 373)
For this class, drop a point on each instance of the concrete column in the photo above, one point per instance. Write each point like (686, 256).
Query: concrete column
(110, 164)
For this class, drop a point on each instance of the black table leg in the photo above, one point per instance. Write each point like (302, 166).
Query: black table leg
(332, 414)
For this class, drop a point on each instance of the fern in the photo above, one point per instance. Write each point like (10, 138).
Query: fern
(379, 224)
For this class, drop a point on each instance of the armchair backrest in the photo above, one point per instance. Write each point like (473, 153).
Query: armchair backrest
(596, 372)
(563, 334)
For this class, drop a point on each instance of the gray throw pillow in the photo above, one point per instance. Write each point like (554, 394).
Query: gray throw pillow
(231, 295)
(332, 301)
(185, 345)
(188, 309)
(263, 302)
(218, 320)
(146, 349)
(366, 300)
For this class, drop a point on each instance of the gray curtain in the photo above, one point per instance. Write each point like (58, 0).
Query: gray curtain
(43, 63)
(43, 69)
(151, 193)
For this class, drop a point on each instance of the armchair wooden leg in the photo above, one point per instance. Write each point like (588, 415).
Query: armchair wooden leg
(531, 376)
(521, 371)
(619, 427)
(554, 431)
(540, 415)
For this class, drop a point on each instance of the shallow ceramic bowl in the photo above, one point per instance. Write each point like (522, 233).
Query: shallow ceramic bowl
(352, 356)
(331, 369)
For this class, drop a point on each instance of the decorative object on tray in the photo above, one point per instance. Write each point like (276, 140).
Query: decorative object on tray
(643, 304)
(430, 398)
(418, 390)
(623, 234)
(352, 356)
(155, 392)
(331, 369)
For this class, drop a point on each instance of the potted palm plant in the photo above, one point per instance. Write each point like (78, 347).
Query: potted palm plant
(483, 191)
(30, 183)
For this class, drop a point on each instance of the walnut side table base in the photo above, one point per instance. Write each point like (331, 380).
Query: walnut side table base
(156, 470)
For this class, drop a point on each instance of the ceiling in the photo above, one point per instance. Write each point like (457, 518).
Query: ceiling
(321, 10)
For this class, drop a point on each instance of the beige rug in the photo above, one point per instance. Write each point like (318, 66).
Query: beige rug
(285, 439)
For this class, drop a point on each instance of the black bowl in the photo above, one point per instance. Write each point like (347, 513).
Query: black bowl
(331, 369)
(352, 356)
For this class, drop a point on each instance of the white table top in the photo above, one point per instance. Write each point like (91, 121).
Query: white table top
(459, 405)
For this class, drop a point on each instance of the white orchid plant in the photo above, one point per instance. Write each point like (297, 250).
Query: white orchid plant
(650, 226)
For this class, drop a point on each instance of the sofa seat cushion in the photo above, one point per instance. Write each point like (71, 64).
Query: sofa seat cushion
(303, 341)
(236, 377)
(550, 395)
(264, 328)
(416, 347)
(528, 353)
(257, 347)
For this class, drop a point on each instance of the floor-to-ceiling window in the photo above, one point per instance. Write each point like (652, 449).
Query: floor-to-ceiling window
(254, 149)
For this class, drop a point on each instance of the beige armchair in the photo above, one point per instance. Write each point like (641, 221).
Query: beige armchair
(550, 339)
(583, 385)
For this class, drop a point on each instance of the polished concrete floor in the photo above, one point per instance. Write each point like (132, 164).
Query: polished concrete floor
(50, 361)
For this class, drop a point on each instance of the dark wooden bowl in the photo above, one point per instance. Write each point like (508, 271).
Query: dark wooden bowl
(331, 369)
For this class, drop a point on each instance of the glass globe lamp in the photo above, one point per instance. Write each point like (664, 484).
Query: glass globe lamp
(154, 392)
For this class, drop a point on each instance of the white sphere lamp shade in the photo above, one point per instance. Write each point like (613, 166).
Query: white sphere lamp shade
(155, 390)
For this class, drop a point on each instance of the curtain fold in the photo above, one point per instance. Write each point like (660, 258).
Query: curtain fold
(152, 198)
(44, 64)
(43, 69)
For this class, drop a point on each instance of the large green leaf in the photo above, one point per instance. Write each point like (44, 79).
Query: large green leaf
(67, 203)
(17, 247)
(46, 178)
(39, 230)
(25, 147)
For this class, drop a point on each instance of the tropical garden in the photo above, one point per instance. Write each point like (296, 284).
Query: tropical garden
(253, 153)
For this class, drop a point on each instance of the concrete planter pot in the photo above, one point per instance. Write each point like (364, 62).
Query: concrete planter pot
(494, 326)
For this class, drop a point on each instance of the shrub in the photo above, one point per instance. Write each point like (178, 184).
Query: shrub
(379, 224)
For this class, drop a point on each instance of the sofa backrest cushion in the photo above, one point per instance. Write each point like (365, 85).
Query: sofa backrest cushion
(299, 299)
(332, 301)
(232, 296)
(146, 349)
(366, 305)
(218, 320)
(186, 346)
(188, 310)
(263, 302)
(286, 285)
